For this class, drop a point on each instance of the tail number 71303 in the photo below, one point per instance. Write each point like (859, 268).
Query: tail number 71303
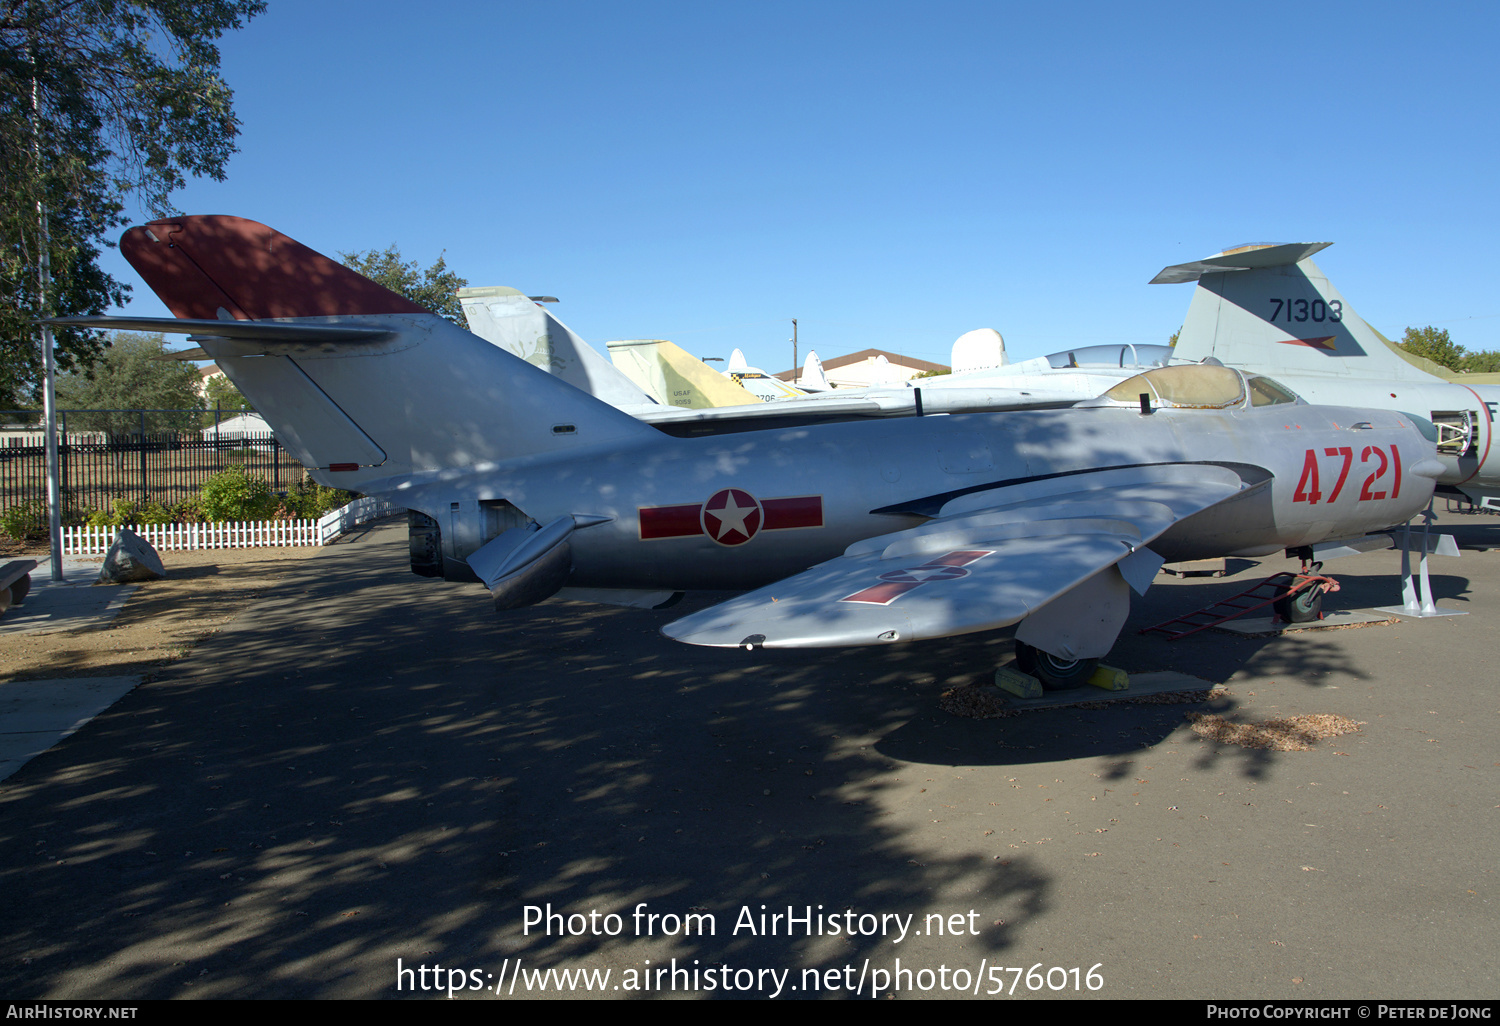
(1375, 487)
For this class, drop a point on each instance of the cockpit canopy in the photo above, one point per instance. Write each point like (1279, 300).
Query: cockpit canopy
(1197, 386)
(1113, 357)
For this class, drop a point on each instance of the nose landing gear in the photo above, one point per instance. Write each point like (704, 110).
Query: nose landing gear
(1301, 601)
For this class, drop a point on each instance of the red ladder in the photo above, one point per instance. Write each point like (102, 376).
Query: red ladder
(1248, 601)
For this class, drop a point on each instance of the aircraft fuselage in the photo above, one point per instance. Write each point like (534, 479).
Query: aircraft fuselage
(1430, 406)
(743, 510)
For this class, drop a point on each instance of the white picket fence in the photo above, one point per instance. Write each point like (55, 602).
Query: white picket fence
(87, 540)
(346, 518)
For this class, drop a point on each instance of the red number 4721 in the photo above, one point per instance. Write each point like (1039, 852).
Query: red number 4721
(1309, 490)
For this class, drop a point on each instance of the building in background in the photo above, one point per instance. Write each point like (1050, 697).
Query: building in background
(865, 369)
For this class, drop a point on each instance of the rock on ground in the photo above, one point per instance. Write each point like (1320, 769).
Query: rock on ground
(131, 558)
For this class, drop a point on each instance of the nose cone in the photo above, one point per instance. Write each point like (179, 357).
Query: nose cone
(1427, 467)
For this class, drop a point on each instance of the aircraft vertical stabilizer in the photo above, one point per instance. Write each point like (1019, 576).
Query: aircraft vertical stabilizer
(524, 328)
(674, 377)
(813, 378)
(361, 385)
(884, 374)
(1271, 308)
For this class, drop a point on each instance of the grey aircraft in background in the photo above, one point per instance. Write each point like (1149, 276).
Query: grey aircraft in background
(1270, 310)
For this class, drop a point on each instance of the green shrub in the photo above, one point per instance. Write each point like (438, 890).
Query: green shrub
(190, 512)
(236, 494)
(156, 513)
(231, 495)
(310, 500)
(27, 521)
(126, 511)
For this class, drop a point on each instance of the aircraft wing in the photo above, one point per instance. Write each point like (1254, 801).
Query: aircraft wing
(989, 559)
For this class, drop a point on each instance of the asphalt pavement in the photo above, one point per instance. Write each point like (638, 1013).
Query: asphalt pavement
(372, 785)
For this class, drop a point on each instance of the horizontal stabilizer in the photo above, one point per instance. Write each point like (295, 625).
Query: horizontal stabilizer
(266, 331)
(1242, 258)
(208, 266)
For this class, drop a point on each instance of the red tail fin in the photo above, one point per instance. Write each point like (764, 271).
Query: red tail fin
(201, 264)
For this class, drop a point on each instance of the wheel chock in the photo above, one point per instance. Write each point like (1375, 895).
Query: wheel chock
(1109, 678)
(1014, 682)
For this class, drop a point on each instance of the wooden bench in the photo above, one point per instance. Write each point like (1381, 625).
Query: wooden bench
(15, 582)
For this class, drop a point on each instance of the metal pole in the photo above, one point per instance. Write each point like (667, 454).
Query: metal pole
(63, 447)
(795, 366)
(54, 465)
(49, 365)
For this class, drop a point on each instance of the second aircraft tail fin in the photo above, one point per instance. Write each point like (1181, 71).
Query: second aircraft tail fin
(524, 328)
(1270, 308)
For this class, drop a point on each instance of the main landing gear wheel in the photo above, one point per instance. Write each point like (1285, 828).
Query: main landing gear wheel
(1054, 672)
(1303, 607)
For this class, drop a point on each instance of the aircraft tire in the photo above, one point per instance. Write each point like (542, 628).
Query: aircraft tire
(1303, 607)
(1054, 673)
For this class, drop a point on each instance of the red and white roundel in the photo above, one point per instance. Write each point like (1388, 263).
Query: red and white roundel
(731, 516)
(923, 574)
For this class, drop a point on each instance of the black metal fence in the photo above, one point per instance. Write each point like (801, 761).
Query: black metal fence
(99, 469)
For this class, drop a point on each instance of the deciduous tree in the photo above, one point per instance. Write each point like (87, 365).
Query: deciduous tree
(130, 377)
(1433, 344)
(1486, 362)
(219, 393)
(435, 288)
(101, 101)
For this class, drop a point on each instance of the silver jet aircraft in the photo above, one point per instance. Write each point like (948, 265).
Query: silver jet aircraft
(846, 533)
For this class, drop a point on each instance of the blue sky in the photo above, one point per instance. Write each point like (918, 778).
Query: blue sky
(891, 175)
